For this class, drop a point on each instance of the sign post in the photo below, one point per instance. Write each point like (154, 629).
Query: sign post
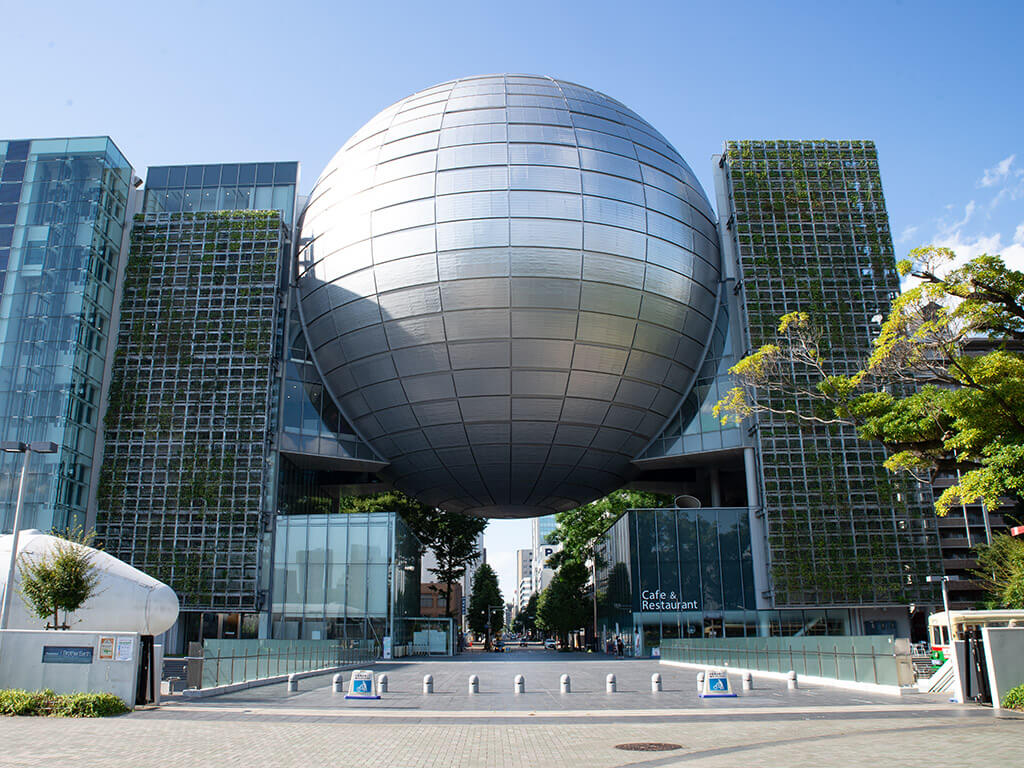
(716, 685)
(362, 685)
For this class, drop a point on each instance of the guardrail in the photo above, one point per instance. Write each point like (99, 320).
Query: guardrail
(880, 660)
(240, 661)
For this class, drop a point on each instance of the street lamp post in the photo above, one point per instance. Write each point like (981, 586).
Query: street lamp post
(26, 449)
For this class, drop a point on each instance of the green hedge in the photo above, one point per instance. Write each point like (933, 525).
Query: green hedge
(1014, 698)
(48, 703)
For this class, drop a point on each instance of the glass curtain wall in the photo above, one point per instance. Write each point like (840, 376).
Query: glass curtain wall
(688, 573)
(343, 576)
(226, 187)
(63, 204)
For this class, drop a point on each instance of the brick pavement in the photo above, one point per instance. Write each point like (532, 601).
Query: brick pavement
(268, 727)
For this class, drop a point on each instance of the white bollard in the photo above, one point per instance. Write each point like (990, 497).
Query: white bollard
(609, 683)
(382, 683)
(338, 683)
(428, 683)
(700, 682)
(519, 684)
(474, 684)
(655, 682)
(748, 681)
(566, 685)
(791, 680)
(293, 683)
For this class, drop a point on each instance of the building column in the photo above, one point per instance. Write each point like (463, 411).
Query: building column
(758, 539)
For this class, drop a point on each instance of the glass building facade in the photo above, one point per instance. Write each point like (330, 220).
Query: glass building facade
(63, 208)
(222, 187)
(343, 576)
(670, 573)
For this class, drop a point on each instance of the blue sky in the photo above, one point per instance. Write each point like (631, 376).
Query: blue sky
(937, 85)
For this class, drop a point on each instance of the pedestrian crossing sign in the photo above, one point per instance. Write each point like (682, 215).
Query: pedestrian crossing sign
(716, 685)
(362, 685)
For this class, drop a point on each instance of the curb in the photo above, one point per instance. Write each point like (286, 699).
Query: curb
(218, 690)
(826, 682)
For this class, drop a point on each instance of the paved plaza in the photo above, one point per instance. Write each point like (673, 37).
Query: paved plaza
(769, 726)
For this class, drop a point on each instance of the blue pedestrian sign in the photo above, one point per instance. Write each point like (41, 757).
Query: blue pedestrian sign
(716, 685)
(362, 685)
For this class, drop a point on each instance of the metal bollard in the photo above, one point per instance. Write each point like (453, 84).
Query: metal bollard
(748, 681)
(519, 684)
(428, 683)
(655, 682)
(609, 683)
(566, 684)
(700, 682)
(382, 683)
(791, 680)
(474, 684)
(338, 683)
(293, 683)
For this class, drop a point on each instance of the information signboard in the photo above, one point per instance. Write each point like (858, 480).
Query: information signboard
(67, 654)
(716, 685)
(362, 685)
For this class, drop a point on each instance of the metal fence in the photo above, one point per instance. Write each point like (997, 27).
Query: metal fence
(875, 659)
(236, 661)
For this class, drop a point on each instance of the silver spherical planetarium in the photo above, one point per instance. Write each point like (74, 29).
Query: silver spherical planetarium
(508, 282)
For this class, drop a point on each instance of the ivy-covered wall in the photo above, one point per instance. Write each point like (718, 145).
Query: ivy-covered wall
(812, 234)
(191, 409)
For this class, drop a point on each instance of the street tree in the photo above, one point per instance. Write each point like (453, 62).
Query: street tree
(62, 579)
(486, 612)
(562, 606)
(581, 529)
(942, 388)
(1001, 571)
(526, 619)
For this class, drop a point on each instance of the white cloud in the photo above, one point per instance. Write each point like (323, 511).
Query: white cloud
(947, 228)
(906, 234)
(966, 248)
(997, 173)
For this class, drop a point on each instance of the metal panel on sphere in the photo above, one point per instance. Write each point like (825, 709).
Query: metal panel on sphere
(508, 282)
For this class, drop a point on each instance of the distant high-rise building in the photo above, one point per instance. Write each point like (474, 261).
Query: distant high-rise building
(524, 578)
(63, 208)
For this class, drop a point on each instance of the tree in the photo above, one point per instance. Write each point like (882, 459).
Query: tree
(1001, 571)
(562, 606)
(942, 388)
(526, 619)
(61, 579)
(486, 595)
(580, 530)
(451, 536)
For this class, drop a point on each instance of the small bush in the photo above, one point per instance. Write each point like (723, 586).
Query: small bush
(48, 703)
(1014, 698)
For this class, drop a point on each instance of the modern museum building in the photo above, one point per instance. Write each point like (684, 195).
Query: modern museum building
(505, 296)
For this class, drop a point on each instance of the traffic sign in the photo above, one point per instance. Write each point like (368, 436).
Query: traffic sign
(716, 685)
(362, 685)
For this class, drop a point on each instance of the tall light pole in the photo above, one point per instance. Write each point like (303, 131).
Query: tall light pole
(26, 449)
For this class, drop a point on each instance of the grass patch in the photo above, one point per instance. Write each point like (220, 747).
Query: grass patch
(1014, 699)
(14, 702)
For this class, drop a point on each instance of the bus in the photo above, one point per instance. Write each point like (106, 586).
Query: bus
(963, 621)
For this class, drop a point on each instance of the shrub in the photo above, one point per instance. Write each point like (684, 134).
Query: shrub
(1014, 698)
(48, 703)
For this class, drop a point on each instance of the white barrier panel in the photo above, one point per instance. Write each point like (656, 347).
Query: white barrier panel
(70, 662)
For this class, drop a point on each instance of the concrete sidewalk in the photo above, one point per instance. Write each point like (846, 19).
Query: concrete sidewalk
(771, 726)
